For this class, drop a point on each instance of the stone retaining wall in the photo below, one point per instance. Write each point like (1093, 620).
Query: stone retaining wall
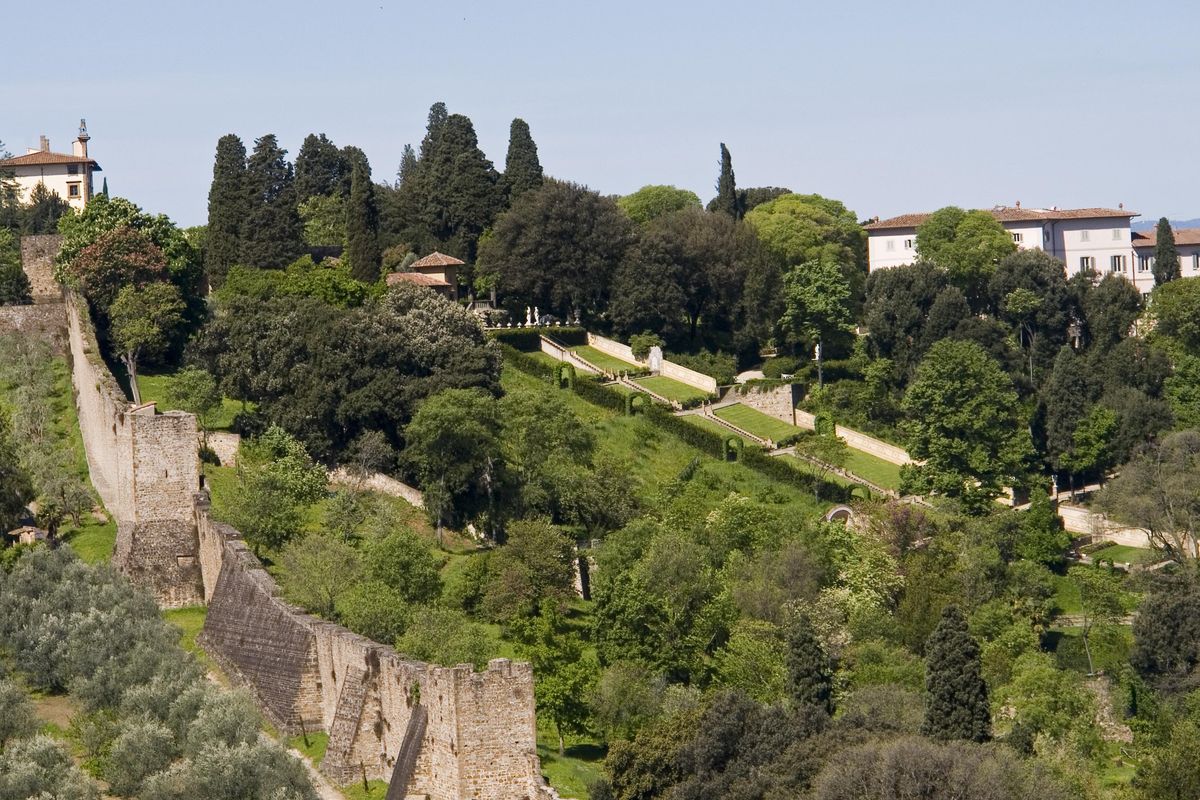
(37, 259)
(777, 401)
(667, 369)
(47, 322)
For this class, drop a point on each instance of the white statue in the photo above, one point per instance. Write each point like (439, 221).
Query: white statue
(528, 315)
(537, 315)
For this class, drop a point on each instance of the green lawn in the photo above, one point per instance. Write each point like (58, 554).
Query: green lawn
(756, 422)
(1066, 595)
(702, 421)
(190, 621)
(876, 470)
(599, 358)
(318, 742)
(376, 790)
(570, 773)
(1124, 554)
(672, 389)
(154, 388)
(94, 542)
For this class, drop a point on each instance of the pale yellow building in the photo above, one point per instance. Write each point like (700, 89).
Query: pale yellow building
(68, 176)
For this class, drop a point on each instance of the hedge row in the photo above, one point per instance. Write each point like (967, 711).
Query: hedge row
(529, 340)
(707, 441)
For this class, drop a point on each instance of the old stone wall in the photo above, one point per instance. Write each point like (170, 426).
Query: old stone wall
(479, 737)
(37, 259)
(144, 466)
(47, 322)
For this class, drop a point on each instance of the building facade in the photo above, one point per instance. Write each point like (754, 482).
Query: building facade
(67, 175)
(1099, 239)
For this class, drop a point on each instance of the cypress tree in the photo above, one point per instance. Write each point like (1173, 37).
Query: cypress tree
(810, 681)
(1166, 254)
(351, 158)
(956, 698)
(104, 188)
(408, 166)
(727, 199)
(227, 206)
(436, 121)
(320, 167)
(362, 226)
(271, 232)
(459, 188)
(522, 170)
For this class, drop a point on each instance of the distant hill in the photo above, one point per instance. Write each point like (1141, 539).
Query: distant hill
(1148, 224)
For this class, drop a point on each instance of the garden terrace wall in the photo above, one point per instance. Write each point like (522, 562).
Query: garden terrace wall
(776, 400)
(667, 369)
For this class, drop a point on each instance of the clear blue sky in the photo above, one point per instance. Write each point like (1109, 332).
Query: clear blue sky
(888, 106)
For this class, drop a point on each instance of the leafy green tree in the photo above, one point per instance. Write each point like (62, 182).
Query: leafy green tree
(1065, 397)
(534, 568)
(143, 320)
(276, 478)
(453, 445)
(271, 230)
(1156, 491)
(727, 200)
(816, 306)
(227, 209)
(964, 423)
(1110, 308)
(967, 244)
(1166, 632)
(373, 609)
(956, 705)
(320, 168)
(362, 228)
(805, 228)
(194, 390)
(316, 570)
(898, 302)
(14, 283)
(826, 452)
(1043, 537)
(810, 679)
(445, 636)
(557, 248)
(753, 661)
(324, 220)
(141, 749)
(41, 767)
(403, 563)
(757, 195)
(116, 260)
(1166, 254)
(1091, 443)
(625, 697)
(1100, 601)
(1175, 307)
(650, 202)
(522, 170)
(1172, 771)
(563, 674)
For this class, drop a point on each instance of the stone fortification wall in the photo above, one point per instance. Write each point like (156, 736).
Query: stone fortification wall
(144, 466)
(47, 322)
(37, 259)
(478, 739)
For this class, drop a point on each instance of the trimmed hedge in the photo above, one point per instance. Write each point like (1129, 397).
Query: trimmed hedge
(528, 340)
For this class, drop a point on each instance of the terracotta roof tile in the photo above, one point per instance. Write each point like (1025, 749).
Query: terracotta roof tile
(436, 259)
(43, 158)
(420, 279)
(1010, 214)
(1182, 236)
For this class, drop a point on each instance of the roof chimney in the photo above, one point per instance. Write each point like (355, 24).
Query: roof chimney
(1018, 204)
(43, 144)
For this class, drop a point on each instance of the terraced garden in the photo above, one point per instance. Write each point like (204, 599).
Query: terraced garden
(672, 389)
(601, 359)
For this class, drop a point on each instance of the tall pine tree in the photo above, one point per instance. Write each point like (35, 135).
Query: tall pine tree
(727, 200)
(1166, 254)
(435, 122)
(271, 232)
(956, 698)
(522, 170)
(352, 158)
(320, 168)
(810, 680)
(227, 206)
(459, 189)
(362, 226)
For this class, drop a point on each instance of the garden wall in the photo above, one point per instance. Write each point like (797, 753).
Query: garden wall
(667, 369)
(777, 401)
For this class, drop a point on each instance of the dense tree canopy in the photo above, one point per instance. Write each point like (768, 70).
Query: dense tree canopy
(650, 202)
(967, 244)
(271, 230)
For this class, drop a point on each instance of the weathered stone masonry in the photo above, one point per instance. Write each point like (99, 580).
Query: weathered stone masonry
(445, 733)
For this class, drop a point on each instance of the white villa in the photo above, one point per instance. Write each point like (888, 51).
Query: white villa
(1082, 238)
(69, 176)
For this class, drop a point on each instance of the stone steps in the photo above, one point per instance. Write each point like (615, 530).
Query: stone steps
(337, 763)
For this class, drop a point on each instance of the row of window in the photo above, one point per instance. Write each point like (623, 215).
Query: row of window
(1117, 263)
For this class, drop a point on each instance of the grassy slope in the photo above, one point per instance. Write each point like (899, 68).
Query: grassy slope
(876, 470)
(671, 389)
(154, 388)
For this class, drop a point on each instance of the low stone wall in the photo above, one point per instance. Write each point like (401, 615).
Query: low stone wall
(613, 348)
(563, 354)
(667, 369)
(47, 322)
(869, 444)
(1077, 519)
(384, 484)
(37, 259)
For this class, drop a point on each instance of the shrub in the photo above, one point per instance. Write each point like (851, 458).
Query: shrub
(719, 366)
(640, 343)
(529, 340)
(777, 367)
